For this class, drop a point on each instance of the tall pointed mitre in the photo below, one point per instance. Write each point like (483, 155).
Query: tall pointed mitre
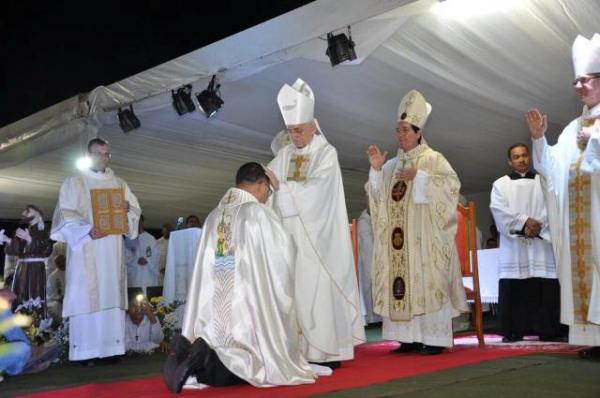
(296, 103)
(586, 55)
(414, 109)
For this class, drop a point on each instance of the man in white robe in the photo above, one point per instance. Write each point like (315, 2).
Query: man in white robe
(309, 197)
(417, 284)
(96, 279)
(240, 311)
(571, 171)
(528, 293)
(142, 258)
(162, 245)
(365, 260)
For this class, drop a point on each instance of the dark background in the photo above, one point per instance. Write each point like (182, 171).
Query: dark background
(53, 50)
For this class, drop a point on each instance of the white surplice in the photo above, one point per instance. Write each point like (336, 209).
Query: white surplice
(512, 203)
(96, 279)
(144, 246)
(313, 210)
(417, 285)
(365, 260)
(162, 246)
(556, 163)
(241, 299)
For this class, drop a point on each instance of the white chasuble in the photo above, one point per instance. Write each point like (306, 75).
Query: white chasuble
(417, 285)
(313, 209)
(572, 190)
(513, 201)
(95, 275)
(240, 299)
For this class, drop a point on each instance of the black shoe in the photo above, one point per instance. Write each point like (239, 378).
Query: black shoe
(590, 353)
(511, 338)
(332, 365)
(184, 360)
(176, 369)
(431, 350)
(408, 347)
(553, 338)
(115, 359)
(86, 363)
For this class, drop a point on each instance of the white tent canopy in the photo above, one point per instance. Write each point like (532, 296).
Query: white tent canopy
(480, 73)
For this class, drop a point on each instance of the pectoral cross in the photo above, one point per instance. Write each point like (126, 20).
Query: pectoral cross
(298, 161)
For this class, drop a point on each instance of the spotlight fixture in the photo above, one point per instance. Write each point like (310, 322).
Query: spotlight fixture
(128, 120)
(182, 100)
(340, 48)
(210, 100)
(83, 163)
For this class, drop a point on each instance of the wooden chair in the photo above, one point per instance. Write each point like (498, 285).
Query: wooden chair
(466, 244)
(354, 239)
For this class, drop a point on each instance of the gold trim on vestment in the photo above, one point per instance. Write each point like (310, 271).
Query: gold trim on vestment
(580, 233)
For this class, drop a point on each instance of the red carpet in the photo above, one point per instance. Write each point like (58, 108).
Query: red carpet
(373, 364)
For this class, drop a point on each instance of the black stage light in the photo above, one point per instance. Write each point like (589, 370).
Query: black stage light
(182, 100)
(209, 100)
(340, 48)
(128, 120)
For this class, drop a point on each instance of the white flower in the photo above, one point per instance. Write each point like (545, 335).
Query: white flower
(45, 324)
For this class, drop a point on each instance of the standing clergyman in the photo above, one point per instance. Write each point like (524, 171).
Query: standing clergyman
(571, 171)
(417, 284)
(96, 279)
(309, 197)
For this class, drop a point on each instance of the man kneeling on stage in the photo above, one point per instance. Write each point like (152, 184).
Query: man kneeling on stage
(240, 313)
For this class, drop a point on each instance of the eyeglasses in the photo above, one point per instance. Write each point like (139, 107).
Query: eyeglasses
(268, 184)
(586, 79)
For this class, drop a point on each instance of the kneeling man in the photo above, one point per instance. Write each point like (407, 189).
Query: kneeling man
(240, 313)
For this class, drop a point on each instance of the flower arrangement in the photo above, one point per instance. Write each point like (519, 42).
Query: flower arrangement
(60, 336)
(170, 315)
(40, 329)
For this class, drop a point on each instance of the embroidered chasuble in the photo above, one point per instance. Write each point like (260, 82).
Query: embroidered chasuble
(415, 262)
(240, 299)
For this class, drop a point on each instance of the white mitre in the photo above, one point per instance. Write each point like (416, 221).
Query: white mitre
(414, 109)
(586, 55)
(296, 103)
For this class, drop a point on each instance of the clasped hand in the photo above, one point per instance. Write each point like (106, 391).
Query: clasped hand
(532, 228)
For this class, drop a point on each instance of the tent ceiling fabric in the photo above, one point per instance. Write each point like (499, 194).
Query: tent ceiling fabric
(480, 74)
